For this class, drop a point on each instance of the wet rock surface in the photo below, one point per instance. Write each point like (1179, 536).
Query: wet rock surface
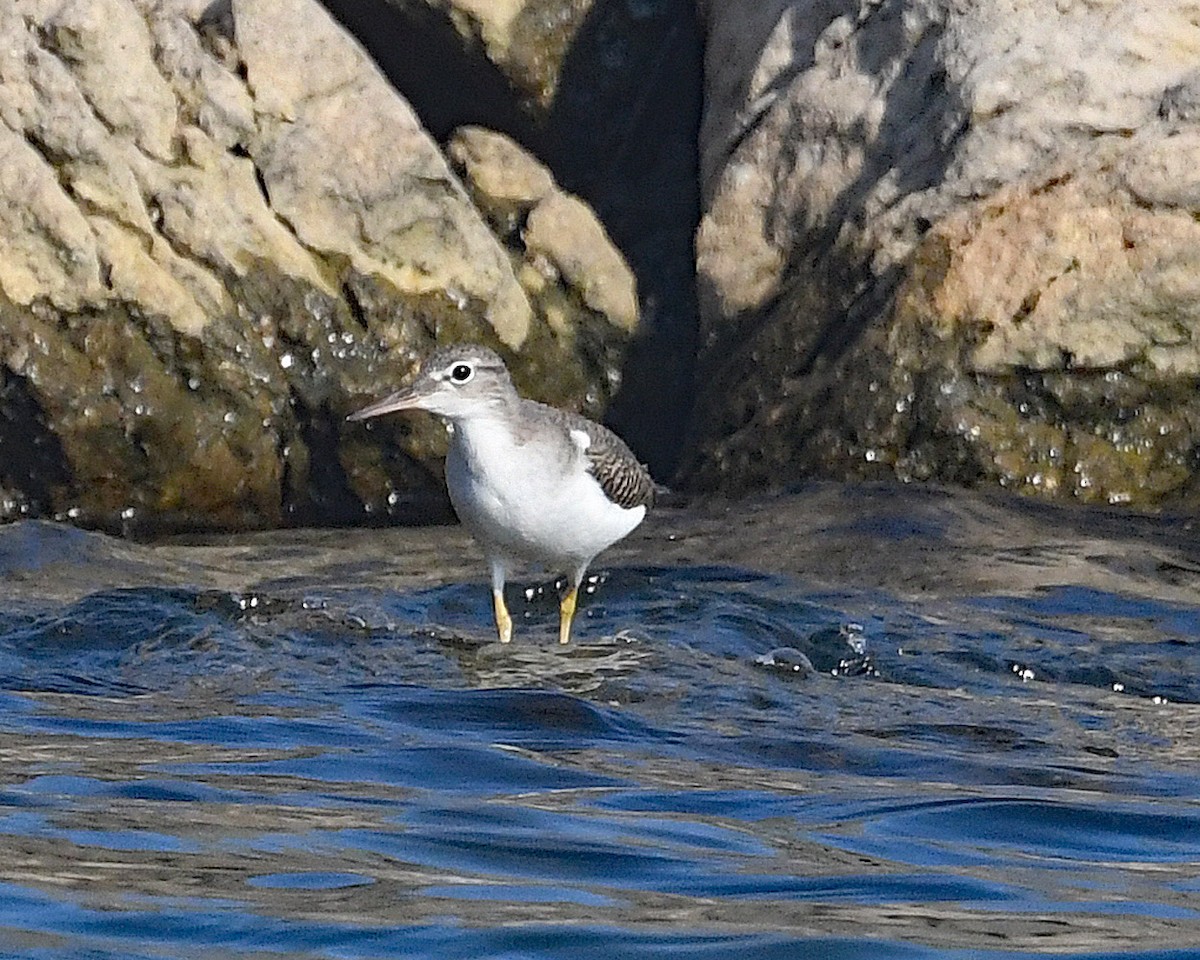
(222, 231)
(911, 542)
(939, 243)
(932, 249)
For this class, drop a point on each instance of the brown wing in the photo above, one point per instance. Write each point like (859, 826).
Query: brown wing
(622, 478)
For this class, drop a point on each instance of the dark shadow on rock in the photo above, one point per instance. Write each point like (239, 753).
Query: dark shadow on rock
(322, 495)
(620, 132)
(822, 338)
(921, 86)
(32, 460)
(326, 496)
(424, 57)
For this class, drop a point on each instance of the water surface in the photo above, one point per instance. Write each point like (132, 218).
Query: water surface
(846, 723)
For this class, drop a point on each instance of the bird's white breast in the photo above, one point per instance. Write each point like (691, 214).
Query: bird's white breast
(533, 500)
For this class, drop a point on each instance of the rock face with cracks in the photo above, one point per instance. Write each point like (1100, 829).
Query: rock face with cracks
(948, 241)
(220, 231)
(956, 241)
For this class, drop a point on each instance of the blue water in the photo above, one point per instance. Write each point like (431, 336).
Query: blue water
(724, 764)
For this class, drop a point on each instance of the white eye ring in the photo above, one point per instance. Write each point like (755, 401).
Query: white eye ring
(461, 373)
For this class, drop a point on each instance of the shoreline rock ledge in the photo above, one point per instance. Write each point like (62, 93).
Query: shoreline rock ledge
(957, 242)
(221, 230)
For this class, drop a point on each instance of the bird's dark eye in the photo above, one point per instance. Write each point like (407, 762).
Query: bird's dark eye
(461, 372)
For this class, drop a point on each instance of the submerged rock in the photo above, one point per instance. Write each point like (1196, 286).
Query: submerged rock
(220, 231)
(951, 242)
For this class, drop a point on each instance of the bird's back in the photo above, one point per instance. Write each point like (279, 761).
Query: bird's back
(622, 477)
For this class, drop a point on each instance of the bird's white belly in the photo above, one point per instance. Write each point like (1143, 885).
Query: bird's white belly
(522, 504)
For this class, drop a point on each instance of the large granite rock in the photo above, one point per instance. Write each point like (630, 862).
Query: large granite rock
(952, 240)
(221, 230)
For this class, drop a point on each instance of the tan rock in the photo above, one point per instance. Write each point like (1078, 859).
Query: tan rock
(107, 48)
(1065, 276)
(375, 207)
(46, 246)
(952, 241)
(1161, 170)
(564, 230)
(563, 247)
(505, 181)
(215, 220)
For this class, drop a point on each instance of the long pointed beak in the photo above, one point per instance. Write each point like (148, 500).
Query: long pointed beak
(406, 399)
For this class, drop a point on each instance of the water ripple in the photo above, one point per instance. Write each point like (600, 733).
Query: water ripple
(311, 769)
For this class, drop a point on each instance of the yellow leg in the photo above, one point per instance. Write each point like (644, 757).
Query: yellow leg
(566, 613)
(503, 620)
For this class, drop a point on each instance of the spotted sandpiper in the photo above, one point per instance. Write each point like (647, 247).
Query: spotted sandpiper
(530, 482)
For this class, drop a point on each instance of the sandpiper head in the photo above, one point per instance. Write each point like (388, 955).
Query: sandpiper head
(453, 382)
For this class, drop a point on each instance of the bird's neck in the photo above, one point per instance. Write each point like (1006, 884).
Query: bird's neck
(482, 430)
